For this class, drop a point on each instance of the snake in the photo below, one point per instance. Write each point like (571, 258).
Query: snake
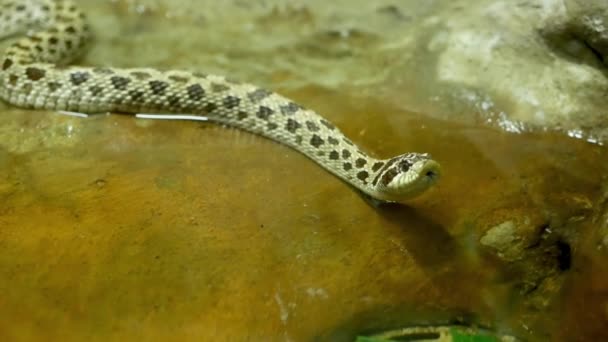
(36, 72)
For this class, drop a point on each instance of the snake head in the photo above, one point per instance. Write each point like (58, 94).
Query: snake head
(406, 176)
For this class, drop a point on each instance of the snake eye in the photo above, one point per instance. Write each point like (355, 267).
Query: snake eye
(404, 165)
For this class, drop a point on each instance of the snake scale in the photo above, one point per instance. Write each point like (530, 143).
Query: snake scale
(35, 73)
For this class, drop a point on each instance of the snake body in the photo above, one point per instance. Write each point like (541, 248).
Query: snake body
(35, 74)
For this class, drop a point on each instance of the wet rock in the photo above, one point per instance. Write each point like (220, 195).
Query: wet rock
(588, 21)
(508, 240)
(177, 227)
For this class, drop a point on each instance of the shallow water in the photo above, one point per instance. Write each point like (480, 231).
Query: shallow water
(120, 228)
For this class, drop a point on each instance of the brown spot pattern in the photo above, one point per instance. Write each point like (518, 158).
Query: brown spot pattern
(158, 87)
(347, 166)
(334, 155)
(119, 82)
(34, 74)
(96, 90)
(362, 175)
(382, 169)
(12, 79)
(377, 166)
(174, 100)
(292, 125)
(345, 154)
(210, 107)
(313, 127)
(79, 77)
(242, 115)
(316, 141)
(231, 101)
(136, 95)
(7, 64)
(195, 92)
(53, 86)
(332, 141)
(258, 95)
(290, 108)
(360, 162)
(264, 112)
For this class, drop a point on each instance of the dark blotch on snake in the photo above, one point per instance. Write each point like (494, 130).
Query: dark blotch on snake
(271, 126)
(313, 127)
(95, 90)
(388, 176)
(174, 100)
(119, 82)
(53, 86)
(345, 154)
(334, 155)
(377, 166)
(332, 141)
(70, 29)
(210, 107)
(258, 95)
(290, 108)
(34, 74)
(316, 141)
(136, 95)
(242, 115)
(231, 101)
(292, 125)
(360, 162)
(347, 166)
(12, 79)
(53, 41)
(195, 92)
(7, 64)
(79, 77)
(264, 112)
(299, 139)
(362, 175)
(382, 170)
(158, 87)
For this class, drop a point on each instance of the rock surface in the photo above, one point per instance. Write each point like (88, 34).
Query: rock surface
(117, 228)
